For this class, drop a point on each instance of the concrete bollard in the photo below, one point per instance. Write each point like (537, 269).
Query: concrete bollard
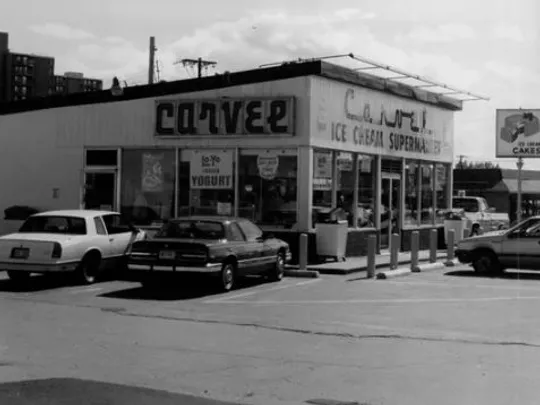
(371, 255)
(466, 233)
(303, 252)
(450, 248)
(415, 247)
(433, 242)
(394, 251)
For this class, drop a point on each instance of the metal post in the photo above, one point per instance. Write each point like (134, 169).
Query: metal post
(415, 247)
(519, 167)
(151, 60)
(433, 239)
(450, 248)
(394, 251)
(303, 252)
(371, 253)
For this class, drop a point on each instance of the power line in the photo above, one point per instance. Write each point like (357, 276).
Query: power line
(200, 63)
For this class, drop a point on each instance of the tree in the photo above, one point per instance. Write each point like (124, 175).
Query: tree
(465, 164)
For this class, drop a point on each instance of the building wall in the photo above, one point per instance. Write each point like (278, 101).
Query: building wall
(43, 150)
(4, 38)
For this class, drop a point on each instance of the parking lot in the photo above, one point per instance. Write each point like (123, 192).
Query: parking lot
(446, 336)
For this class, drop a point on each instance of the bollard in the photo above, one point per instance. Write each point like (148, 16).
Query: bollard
(466, 233)
(394, 251)
(433, 239)
(415, 247)
(303, 252)
(450, 248)
(371, 253)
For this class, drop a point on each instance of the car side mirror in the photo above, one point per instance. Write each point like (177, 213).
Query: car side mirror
(268, 235)
(133, 228)
(491, 209)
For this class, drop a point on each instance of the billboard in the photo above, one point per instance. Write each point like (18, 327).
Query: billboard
(518, 133)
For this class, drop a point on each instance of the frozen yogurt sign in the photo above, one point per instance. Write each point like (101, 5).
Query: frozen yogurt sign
(211, 170)
(364, 120)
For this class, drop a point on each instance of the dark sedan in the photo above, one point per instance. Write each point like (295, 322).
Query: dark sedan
(223, 247)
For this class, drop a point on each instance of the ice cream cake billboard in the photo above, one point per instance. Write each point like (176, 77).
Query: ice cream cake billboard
(518, 133)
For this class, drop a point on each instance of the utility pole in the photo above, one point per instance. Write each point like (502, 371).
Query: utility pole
(151, 61)
(200, 63)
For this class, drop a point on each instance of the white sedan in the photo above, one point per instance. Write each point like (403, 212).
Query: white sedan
(84, 242)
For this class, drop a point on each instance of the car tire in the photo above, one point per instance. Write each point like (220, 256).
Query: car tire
(487, 263)
(276, 274)
(227, 277)
(88, 269)
(18, 277)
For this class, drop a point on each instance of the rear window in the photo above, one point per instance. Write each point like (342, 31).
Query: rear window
(192, 230)
(54, 224)
(466, 204)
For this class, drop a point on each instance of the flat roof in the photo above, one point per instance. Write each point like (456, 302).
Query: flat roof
(286, 71)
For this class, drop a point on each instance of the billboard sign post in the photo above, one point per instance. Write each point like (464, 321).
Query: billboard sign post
(518, 136)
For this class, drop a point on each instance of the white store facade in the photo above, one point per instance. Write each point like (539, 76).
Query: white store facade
(276, 145)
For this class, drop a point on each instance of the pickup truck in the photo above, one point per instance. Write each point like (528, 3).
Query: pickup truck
(514, 248)
(480, 216)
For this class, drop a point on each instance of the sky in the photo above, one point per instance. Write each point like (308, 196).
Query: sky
(489, 47)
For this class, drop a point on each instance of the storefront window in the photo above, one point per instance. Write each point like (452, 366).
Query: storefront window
(268, 183)
(322, 181)
(366, 181)
(206, 182)
(345, 184)
(441, 190)
(411, 193)
(148, 180)
(427, 193)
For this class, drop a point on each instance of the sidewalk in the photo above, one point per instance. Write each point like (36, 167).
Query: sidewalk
(358, 264)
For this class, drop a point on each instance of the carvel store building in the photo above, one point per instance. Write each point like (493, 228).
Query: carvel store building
(278, 145)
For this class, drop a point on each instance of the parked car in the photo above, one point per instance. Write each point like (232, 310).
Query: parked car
(514, 248)
(481, 217)
(83, 242)
(223, 247)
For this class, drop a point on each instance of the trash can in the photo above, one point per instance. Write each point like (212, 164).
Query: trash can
(331, 237)
(454, 220)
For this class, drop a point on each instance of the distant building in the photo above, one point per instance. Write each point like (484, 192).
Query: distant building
(24, 76)
(74, 82)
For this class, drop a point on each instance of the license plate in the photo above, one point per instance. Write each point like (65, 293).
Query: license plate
(167, 255)
(20, 253)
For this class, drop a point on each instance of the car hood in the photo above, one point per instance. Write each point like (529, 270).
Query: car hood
(45, 237)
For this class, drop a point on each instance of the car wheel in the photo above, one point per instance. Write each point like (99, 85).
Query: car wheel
(88, 269)
(486, 262)
(18, 276)
(227, 277)
(276, 274)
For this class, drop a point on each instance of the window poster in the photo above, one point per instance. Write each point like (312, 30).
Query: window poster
(152, 173)
(268, 164)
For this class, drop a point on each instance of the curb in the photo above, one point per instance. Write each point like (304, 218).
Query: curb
(383, 275)
(428, 267)
(451, 263)
(301, 273)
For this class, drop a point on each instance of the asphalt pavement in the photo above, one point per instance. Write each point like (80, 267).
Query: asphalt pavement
(444, 337)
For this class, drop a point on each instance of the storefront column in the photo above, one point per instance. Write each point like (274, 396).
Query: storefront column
(434, 184)
(450, 186)
(378, 188)
(355, 190)
(305, 188)
(402, 193)
(335, 179)
(236, 181)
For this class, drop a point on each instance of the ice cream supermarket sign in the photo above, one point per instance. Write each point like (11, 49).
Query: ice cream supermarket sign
(518, 133)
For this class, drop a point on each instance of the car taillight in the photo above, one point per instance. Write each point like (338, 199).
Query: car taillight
(57, 251)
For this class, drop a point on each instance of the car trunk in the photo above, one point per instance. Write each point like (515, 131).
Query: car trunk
(36, 249)
(171, 251)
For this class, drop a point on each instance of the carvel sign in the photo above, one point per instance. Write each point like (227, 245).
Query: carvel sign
(253, 116)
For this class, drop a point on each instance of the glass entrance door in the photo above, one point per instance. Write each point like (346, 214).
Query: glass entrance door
(390, 204)
(100, 190)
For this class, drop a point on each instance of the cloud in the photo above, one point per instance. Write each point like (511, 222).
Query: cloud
(440, 33)
(513, 73)
(61, 31)
(509, 32)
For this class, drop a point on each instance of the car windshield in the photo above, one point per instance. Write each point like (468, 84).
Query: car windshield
(54, 224)
(191, 229)
(466, 204)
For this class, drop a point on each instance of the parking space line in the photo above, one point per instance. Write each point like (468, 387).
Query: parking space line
(227, 298)
(379, 301)
(460, 285)
(85, 290)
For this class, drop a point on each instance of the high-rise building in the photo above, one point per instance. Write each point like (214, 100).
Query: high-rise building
(24, 76)
(74, 82)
